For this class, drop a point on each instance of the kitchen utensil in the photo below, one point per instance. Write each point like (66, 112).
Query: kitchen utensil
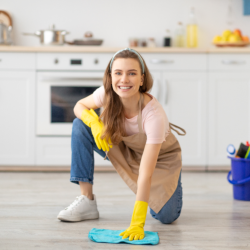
(50, 36)
(5, 28)
(87, 41)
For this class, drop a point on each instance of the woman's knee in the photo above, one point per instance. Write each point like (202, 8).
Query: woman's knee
(169, 217)
(77, 123)
(78, 126)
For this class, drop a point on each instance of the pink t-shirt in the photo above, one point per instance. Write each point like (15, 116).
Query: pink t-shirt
(154, 119)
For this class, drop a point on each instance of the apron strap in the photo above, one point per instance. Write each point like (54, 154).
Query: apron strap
(139, 118)
(171, 125)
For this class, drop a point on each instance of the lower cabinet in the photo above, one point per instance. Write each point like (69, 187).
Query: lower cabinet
(210, 101)
(17, 126)
(228, 114)
(56, 151)
(184, 98)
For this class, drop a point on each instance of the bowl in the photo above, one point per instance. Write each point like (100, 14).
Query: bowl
(231, 44)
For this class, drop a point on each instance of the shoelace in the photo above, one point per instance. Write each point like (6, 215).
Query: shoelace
(74, 203)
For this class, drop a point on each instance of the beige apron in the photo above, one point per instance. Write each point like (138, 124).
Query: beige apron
(126, 158)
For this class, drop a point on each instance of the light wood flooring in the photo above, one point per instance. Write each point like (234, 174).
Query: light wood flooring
(30, 202)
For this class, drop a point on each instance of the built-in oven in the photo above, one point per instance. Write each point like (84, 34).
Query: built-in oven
(64, 78)
(56, 95)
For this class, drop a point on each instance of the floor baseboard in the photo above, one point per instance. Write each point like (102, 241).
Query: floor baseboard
(101, 169)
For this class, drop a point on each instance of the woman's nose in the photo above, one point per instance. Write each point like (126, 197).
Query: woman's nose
(124, 78)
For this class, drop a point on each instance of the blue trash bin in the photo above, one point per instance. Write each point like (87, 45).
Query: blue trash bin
(240, 171)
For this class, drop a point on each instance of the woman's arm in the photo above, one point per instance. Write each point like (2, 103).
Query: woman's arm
(147, 166)
(85, 103)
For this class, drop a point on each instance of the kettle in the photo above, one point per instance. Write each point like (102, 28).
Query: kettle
(5, 29)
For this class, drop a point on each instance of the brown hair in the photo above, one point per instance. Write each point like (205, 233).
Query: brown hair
(113, 115)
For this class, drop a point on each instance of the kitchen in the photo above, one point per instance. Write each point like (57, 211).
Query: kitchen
(41, 83)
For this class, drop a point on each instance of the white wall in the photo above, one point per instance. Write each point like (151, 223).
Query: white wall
(116, 21)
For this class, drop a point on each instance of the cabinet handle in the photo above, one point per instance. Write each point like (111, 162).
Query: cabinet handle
(56, 61)
(159, 90)
(166, 93)
(230, 62)
(159, 61)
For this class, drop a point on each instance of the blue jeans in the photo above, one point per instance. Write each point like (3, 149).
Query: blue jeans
(82, 169)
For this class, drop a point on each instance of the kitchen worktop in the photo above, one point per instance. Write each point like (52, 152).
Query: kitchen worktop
(100, 49)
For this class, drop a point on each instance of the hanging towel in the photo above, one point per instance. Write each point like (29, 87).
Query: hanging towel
(112, 236)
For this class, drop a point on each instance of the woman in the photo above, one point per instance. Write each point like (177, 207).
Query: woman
(134, 133)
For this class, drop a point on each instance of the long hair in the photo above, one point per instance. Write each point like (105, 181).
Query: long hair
(113, 111)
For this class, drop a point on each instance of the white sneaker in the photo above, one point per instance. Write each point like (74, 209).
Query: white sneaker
(82, 208)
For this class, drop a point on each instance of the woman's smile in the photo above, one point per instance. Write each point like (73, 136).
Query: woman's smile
(124, 88)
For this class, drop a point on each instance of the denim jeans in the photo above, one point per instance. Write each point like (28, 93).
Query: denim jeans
(82, 169)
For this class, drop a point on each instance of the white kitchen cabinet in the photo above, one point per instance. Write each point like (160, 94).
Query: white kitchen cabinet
(17, 61)
(228, 113)
(17, 109)
(206, 94)
(181, 87)
(56, 151)
(156, 89)
(184, 98)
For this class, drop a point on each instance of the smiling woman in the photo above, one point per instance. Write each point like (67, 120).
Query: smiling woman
(133, 132)
(126, 76)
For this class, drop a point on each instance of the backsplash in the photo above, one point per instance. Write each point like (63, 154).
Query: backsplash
(116, 21)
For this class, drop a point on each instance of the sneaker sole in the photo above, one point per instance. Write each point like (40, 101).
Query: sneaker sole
(91, 216)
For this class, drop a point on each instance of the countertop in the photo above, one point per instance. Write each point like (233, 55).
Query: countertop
(100, 49)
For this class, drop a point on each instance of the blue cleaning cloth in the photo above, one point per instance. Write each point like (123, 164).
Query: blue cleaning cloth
(112, 236)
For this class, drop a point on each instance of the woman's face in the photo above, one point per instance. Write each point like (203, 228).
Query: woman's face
(126, 77)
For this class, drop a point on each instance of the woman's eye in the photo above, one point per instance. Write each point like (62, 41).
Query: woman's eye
(119, 73)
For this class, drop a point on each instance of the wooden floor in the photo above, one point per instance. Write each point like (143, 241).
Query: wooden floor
(30, 202)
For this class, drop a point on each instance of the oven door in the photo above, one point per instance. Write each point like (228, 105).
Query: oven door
(57, 93)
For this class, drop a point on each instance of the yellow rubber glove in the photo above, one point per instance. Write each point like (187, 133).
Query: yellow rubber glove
(136, 231)
(90, 118)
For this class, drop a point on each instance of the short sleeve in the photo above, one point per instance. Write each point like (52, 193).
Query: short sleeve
(98, 96)
(155, 128)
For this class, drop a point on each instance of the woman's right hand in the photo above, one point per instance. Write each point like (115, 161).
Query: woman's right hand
(91, 119)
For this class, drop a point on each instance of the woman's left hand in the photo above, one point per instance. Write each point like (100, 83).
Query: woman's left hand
(136, 229)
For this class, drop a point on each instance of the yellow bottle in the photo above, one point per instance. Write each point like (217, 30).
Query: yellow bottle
(192, 31)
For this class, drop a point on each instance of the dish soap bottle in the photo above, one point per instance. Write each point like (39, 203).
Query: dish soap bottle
(179, 36)
(192, 31)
